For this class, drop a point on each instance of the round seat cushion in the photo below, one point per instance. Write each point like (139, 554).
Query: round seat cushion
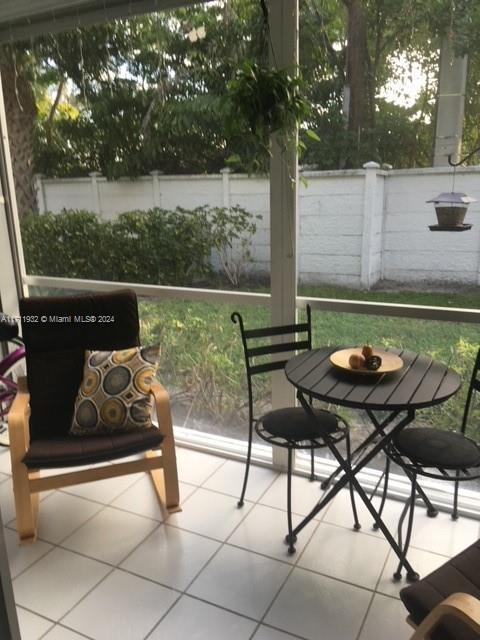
(435, 448)
(295, 424)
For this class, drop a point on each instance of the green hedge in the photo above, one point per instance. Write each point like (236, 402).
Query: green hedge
(151, 247)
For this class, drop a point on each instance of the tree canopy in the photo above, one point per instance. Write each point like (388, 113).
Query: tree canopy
(147, 93)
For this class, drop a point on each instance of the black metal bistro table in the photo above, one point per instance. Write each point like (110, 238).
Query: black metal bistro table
(420, 383)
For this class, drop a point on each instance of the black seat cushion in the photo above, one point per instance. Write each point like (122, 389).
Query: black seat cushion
(56, 344)
(460, 574)
(74, 450)
(8, 328)
(294, 424)
(436, 448)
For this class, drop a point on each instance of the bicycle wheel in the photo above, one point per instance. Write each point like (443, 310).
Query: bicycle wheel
(8, 377)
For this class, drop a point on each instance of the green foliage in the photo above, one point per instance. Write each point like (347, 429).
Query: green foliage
(231, 233)
(150, 247)
(263, 101)
(202, 359)
(201, 355)
(143, 96)
(74, 244)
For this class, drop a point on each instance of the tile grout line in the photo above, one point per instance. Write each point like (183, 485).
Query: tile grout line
(222, 544)
(362, 625)
(184, 592)
(293, 567)
(205, 565)
(113, 567)
(63, 626)
(18, 606)
(59, 544)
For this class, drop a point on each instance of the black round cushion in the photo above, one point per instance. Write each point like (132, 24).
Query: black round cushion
(294, 423)
(8, 328)
(435, 448)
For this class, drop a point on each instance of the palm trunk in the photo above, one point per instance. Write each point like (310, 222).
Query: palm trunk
(21, 112)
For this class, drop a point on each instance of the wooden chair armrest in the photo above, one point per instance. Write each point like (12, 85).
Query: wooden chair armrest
(162, 404)
(459, 605)
(18, 423)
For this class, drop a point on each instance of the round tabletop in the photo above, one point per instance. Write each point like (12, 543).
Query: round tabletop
(421, 382)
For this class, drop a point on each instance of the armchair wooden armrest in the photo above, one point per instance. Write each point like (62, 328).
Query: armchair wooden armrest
(459, 605)
(26, 504)
(162, 405)
(18, 425)
(167, 483)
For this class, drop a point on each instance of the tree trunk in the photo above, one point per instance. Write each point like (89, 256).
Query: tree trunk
(357, 68)
(21, 112)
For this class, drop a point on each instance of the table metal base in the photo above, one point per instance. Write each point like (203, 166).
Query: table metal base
(350, 474)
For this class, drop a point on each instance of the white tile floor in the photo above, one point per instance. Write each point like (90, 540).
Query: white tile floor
(109, 565)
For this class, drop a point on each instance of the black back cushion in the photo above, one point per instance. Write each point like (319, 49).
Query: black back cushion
(56, 332)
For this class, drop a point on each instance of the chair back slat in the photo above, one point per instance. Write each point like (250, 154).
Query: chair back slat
(270, 354)
(267, 366)
(282, 347)
(264, 358)
(267, 332)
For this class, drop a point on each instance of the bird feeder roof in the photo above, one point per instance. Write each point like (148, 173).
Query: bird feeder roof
(453, 197)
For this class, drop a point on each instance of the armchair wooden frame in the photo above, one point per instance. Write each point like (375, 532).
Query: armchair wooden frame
(28, 483)
(462, 606)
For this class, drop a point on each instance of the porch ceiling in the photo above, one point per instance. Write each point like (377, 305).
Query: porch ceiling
(23, 19)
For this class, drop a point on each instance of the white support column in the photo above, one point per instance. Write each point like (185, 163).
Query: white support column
(157, 194)
(450, 104)
(369, 196)
(283, 16)
(226, 186)
(94, 175)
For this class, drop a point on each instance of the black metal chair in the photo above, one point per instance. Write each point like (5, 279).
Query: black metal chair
(291, 427)
(437, 454)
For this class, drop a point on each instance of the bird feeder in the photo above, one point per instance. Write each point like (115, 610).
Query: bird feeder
(451, 208)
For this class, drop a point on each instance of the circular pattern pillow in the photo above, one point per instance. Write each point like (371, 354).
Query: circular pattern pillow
(114, 395)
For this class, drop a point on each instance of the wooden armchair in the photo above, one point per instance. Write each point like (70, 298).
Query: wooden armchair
(460, 608)
(40, 417)
(445, 604)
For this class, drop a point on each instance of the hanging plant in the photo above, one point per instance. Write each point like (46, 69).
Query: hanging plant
(264, 101)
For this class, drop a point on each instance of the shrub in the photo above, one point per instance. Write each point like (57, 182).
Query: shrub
(73, 244)
(151, 247)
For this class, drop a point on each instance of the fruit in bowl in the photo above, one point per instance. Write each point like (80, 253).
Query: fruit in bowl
(356, 361)
(367, 351)
(365, 360)
(373, 363)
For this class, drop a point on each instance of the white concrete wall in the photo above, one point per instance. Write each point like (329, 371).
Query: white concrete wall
(412, 253)
(356, 227)
(331, 222)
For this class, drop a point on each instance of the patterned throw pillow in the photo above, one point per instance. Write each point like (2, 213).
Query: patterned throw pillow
(114, 396)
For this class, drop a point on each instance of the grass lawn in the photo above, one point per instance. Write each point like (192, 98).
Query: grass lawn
(202, 360)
